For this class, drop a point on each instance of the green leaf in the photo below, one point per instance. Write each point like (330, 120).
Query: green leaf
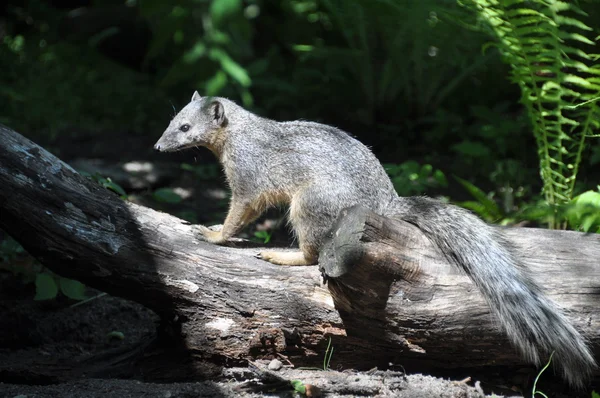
(101, 36)
(113, 186)
(562, 20)
(536, 212)
(488, 204)
(115, 335)
(264, 236)
(195, 53)
(72, 289)
(472, 149)
(588, 222)
(475, 207)
(45, 287)
(583, 212)
(216, 83)
(541, 41)
(223, 9)
(166, 195)
(298, 386)
(440, 177)
(591, 198)
(232, 68)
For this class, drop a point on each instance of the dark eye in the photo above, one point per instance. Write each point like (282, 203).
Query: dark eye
(184, 127)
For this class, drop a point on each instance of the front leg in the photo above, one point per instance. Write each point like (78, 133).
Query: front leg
(240, 214)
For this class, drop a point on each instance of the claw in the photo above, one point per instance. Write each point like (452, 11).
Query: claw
(200, 232)
(216, 227)
(207, 234)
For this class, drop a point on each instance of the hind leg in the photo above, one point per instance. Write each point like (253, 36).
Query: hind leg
(288, 258)
(311, 219)
(308, 255)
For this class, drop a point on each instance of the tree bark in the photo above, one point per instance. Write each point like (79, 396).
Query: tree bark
(387, 276)
(229, 307)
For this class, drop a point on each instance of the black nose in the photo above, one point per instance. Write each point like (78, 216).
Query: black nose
(157, 147)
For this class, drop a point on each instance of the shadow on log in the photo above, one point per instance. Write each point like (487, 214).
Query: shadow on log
(395, 298)
(387, 279)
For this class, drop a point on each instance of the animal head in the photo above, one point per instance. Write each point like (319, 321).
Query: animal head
(199, 123)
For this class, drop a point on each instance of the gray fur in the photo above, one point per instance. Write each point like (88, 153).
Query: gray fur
(321, 170)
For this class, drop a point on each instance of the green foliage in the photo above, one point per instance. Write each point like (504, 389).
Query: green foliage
(544, 42)
(298, 386)
(47, 286)
(594, 158)
(14, 259)
(115, 335)
(10, 249)
(108, 183)
(411, 178)
(484, 141)
(166, 195)
(483, 205)
(511, 180)
(93, 93)
(497, 127)
(583, 212)
(472, 150)
(263, 236)
(505, 204)
(595, 394)
(406, 78)
(206, 40)
(328, 355)
(72, 289)
(535, 391)
(372, 55)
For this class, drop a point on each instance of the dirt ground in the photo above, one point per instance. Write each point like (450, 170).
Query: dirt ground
(334, 385)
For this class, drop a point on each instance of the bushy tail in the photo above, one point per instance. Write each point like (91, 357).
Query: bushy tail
(532, 321)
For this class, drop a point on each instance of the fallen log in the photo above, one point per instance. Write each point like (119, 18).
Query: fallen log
(386, 277)
(226, 307)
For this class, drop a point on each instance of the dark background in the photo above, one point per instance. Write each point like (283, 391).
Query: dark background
(412, 79)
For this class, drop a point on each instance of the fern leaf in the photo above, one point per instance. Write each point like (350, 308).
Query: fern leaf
(544, 42)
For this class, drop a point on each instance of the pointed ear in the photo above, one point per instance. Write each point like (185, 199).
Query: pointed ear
(196, 96)
(218, 113)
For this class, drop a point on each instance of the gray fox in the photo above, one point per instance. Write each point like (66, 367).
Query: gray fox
(319, 170)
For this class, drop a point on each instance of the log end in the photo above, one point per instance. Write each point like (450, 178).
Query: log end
(341, 250)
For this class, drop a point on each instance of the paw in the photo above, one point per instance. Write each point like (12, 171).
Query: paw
(264, 256)
(216, 227)
(209, 234)
(268, 256)
(283, 258)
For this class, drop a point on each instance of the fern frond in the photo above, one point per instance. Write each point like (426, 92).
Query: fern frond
(542, 41)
